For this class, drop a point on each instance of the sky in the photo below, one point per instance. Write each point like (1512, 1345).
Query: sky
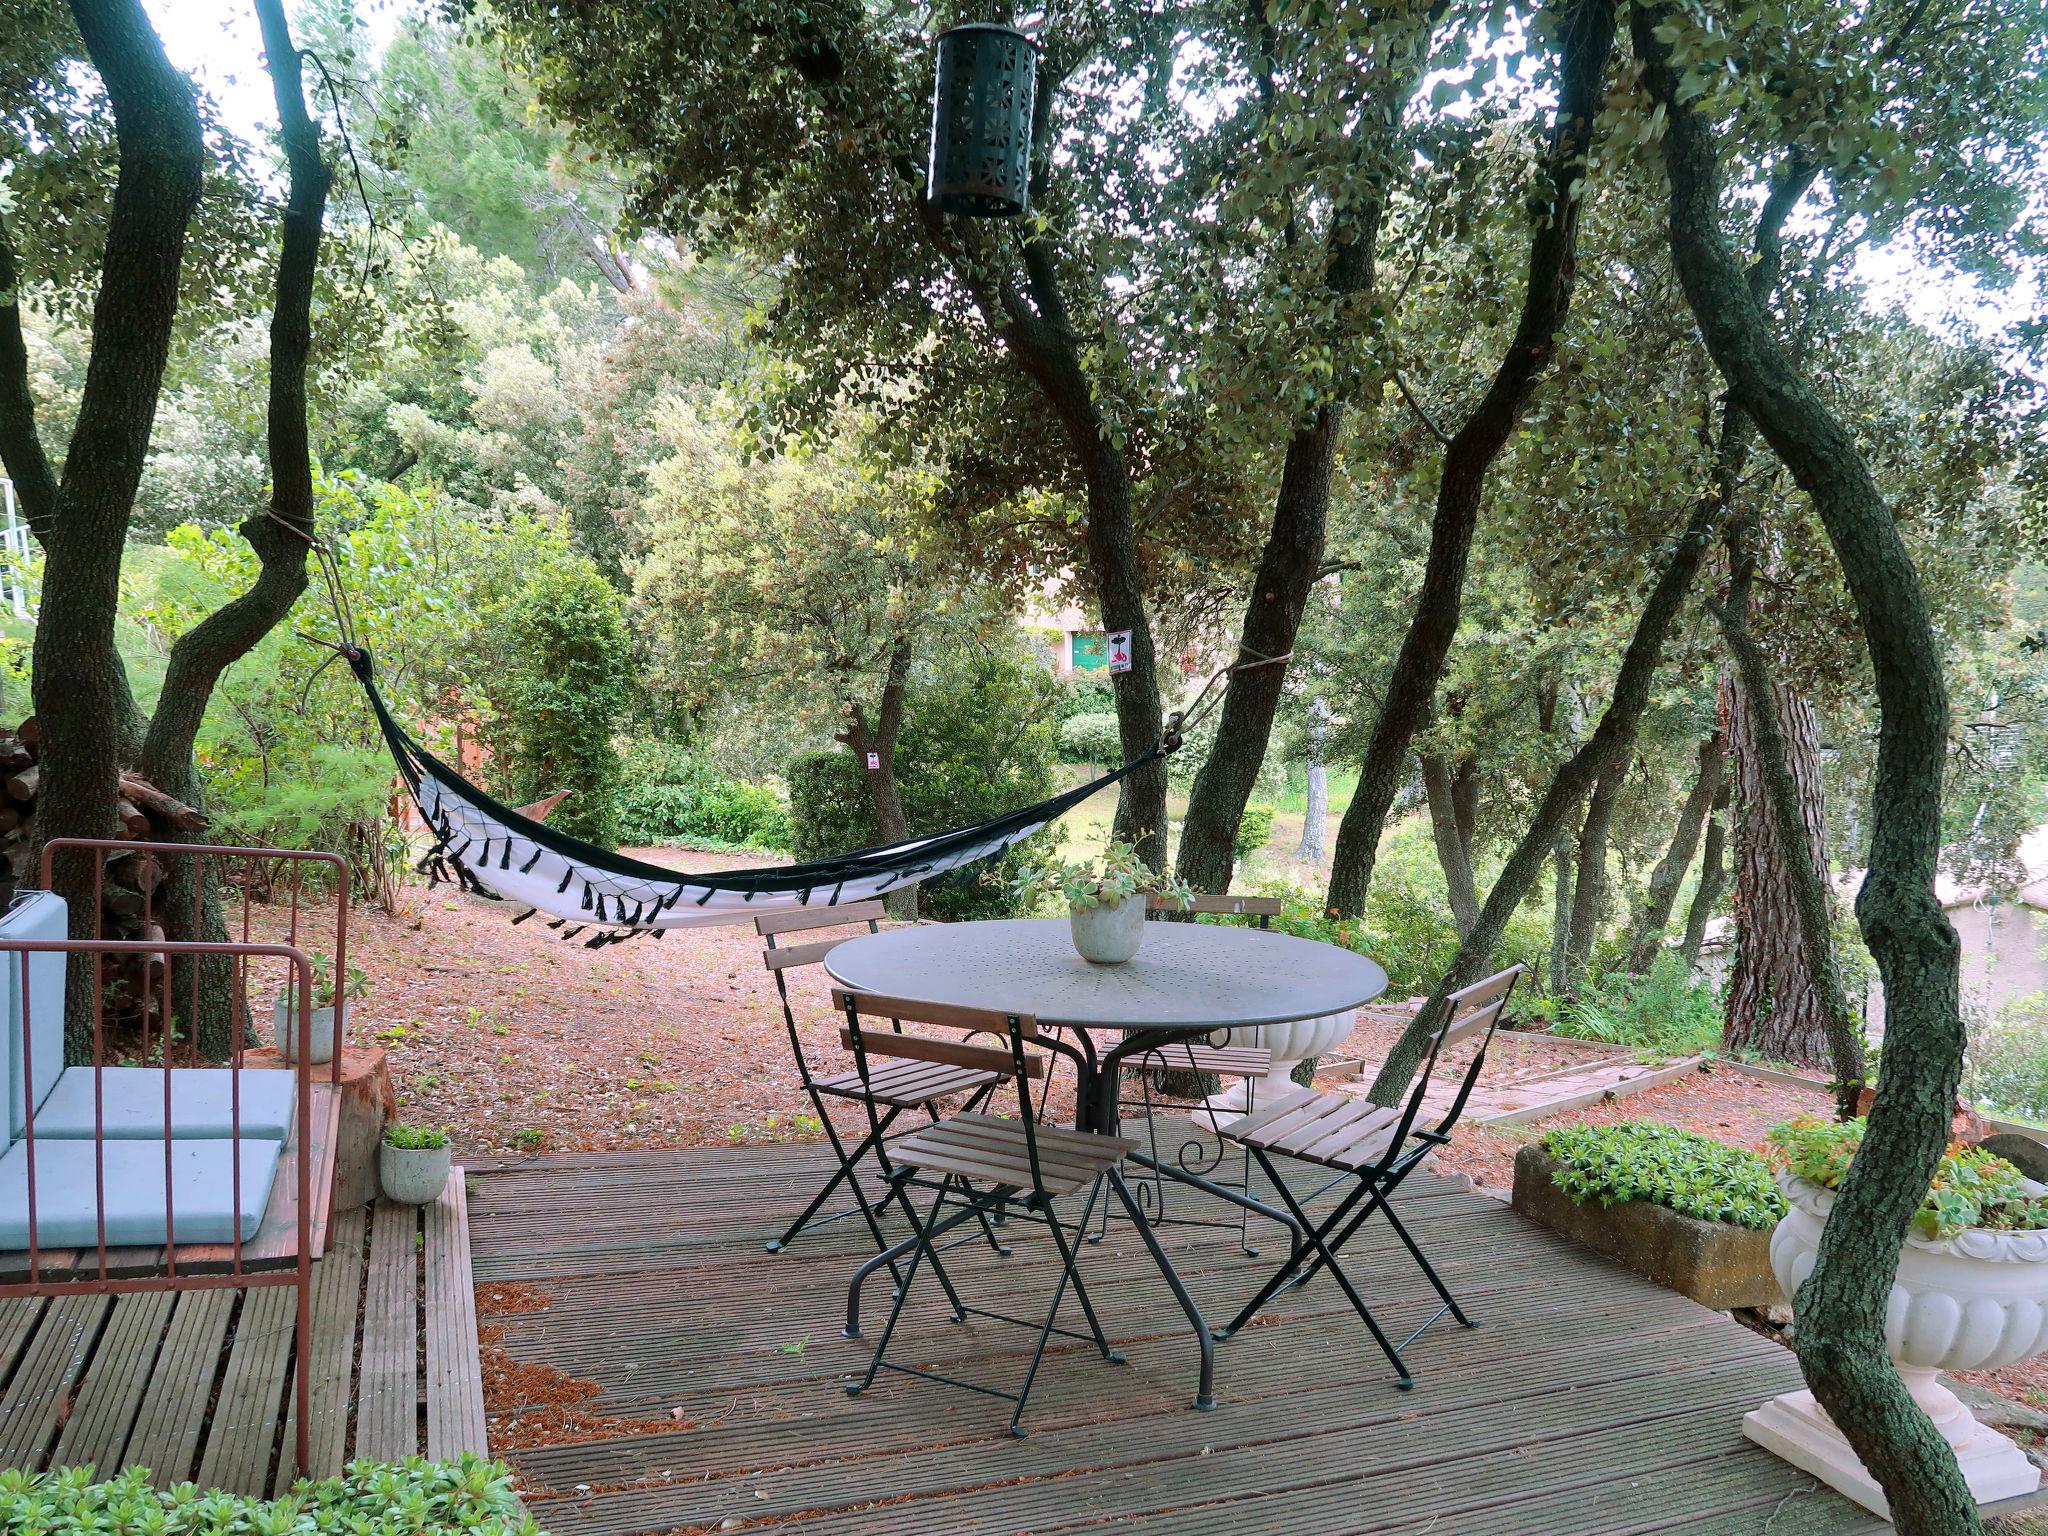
(218, 42)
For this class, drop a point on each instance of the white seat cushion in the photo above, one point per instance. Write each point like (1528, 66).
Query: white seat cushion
(202, 1184)
(202, 1103)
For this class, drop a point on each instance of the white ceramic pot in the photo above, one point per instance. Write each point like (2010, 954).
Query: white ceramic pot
(1291, 1045)
(284, 1031)
(414, 1175)
(1975, 1301)
(1109, 935)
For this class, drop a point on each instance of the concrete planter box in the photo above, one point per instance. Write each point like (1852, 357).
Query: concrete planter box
(1715, 1263)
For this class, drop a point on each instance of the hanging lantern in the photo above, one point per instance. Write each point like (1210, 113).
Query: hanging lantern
(981, 121)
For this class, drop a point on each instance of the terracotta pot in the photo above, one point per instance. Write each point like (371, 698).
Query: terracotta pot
(1107, 935)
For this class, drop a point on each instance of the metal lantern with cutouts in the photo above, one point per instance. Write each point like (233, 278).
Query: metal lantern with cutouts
(981, 121)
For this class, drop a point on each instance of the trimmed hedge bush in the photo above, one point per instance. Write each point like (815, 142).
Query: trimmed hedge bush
(666, 793)
(1091, 738)
(1253, 828)
(1639, 1160)
(371, 1498)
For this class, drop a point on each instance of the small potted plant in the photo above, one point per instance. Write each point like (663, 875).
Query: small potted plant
(1971, 1294)
(412, 1165)
(1105, 899)
(330, 1010)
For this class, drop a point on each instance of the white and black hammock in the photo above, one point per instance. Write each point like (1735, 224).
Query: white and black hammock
(588, 892)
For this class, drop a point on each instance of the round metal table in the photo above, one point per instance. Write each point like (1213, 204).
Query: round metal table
(1185, 981)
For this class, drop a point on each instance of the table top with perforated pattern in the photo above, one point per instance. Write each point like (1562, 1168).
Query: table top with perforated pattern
(1185, 976)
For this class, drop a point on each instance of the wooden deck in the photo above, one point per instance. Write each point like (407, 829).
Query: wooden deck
(198, 1385)
(1588, 1402)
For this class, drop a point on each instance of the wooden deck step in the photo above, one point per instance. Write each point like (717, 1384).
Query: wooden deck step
(166, 1434)
(243, 1431)
(337, 1288)
(111, 1396)
(455, 1385)
(38, 1399)
(387, 1403)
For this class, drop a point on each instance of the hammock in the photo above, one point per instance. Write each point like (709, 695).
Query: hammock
(492, 851)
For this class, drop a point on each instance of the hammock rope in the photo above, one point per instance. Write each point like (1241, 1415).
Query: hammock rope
(490, 850)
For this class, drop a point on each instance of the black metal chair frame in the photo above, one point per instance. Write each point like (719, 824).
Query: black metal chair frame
(1376, 1184)
(848, 1162)
(1193, 1156)
(998, 1200)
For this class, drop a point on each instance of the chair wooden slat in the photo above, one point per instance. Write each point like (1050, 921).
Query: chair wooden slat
(994, 1151)
(1221, 1061)
(957, 1053)
(1223, 905)
(800, 954)
(1339, 1124)
(798, 919)
(952, 1016)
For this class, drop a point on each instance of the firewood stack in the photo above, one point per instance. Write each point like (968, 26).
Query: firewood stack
(146, 814)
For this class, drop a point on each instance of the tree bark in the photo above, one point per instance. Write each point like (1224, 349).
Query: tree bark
(1713, 880)
(1317, 814)
(1589, 890)
(1586, 30)
(874, 747)
(1775, 1007)
(81, 689)
(1562, 870)
(1841, 1306)
(1647, 931)
(1452, 854)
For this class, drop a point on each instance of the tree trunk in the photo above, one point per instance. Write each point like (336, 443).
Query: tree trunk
(1655, 914)
(1586, 31)
(1317, 815)
(1774, 1008)
(1560, 913)
(1841, 1306)
(1451, 851)
(81, 689)
(1589, 890)
(1713, 880)
(874, 748)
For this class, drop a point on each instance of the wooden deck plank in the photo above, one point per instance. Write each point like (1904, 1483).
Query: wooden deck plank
(18, 1318)
(109, 1398)
(166, 1434)
(39, 1397)
(337, 1288)
(387, 1403)
(242, 1433)
(1590, 1402)
(455, 1387)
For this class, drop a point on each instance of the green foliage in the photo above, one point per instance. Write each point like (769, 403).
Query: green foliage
(570, 666)
(665, 793)
(1663, 1012)
(1639, 1160)
(415, 1138)
(1084, 695)
(976, 741)
(1253, 828)
(371, 1498)
(1971, 1188)
(354, 986)
(1109, 881)
(2006, 1066)
(1091, 738)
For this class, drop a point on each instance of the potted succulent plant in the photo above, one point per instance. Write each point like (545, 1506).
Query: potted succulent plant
(1971, 1294)
(1105, 899)
(331, 997)
(413, 1162)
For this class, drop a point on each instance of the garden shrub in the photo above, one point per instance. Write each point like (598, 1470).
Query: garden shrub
(1084, 696)
(666, 793)
(1663, 1012)
(977, 741)
(371, 1498)
(1693, 1175)
(1091, 738)
(1253, 828)
(571, 660)
(1971, 1187)
(2006, 1066)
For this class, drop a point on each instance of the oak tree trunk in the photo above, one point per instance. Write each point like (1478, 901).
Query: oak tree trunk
(1589, 889)
(1713, 880)
(1646, 932)
(1314, 820)
(1841, 1307)
(1452, 853)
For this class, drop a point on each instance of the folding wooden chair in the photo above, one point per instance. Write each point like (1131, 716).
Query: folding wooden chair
(886, 1093)
(983, 1165)
(1249, 1062)
(1372, 1145)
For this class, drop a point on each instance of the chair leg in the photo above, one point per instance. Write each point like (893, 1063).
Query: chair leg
(1291, 1272)
(1205, 1395)
(1069, 1274)
(1115, 1357)
(1428, 1269)
(887, 1258)
(920, 1251)
(846, 1172)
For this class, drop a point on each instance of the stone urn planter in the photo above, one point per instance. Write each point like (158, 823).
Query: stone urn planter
(1291, 1045)
(413, 1164)
(1109, 935)
(1974, 1301)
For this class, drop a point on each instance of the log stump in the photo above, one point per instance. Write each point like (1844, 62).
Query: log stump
(368, 1104)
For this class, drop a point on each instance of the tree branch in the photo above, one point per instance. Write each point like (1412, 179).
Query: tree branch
(21, 446)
